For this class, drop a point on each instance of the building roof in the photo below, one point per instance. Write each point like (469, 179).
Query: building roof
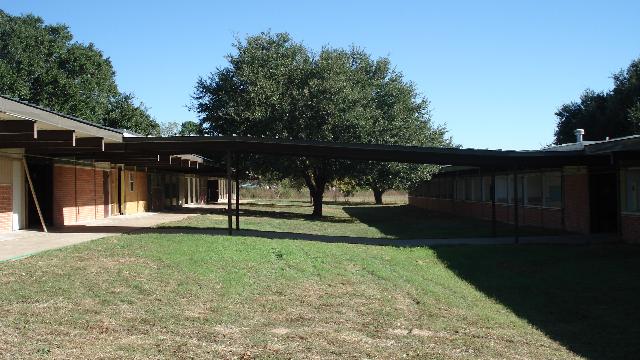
(120, 147)
(13, 109)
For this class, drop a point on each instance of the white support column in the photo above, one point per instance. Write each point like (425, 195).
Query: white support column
(18, 196)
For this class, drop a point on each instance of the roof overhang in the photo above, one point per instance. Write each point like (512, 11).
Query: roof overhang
(43, 119)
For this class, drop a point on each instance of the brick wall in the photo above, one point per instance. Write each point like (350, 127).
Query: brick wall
(576, 201)
(78, 194)
(630, 227)
(527, 215)
(6, 207)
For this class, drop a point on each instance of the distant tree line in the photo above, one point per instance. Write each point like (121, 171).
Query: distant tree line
(602, 114)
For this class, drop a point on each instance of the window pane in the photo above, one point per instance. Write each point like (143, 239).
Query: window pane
(468, 188)
(534, 189)
(632, 193)
(501, 189)
(459, 189)
(486, 188)
(552, 190)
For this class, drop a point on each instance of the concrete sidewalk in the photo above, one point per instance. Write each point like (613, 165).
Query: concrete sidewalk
(19, 244)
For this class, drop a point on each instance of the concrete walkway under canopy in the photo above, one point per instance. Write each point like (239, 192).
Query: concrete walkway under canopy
(23, 243)
(19, 244)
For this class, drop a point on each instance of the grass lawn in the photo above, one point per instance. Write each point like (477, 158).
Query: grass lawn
(165, 295)
(397, 221)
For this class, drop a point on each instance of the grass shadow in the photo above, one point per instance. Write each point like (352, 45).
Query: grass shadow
(246, 211)
(584, 297)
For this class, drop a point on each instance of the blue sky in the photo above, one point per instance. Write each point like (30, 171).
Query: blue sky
(494, 71)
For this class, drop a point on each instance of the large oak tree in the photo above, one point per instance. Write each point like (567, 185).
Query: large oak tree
(277, 88)
(40, 63)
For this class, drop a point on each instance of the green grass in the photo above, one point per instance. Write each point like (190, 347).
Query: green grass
(164, 295)
(397, 221)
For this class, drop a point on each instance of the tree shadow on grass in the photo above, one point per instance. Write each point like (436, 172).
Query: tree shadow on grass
(286, 215)
(584, 297)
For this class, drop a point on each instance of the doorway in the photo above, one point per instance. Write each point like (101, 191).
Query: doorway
(212, 191)
(603, 195)
(41, 173)
(105, 192)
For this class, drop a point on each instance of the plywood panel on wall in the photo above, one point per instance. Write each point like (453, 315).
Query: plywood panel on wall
(5, 170)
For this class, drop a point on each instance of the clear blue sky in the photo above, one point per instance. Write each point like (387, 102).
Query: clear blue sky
(494, 71)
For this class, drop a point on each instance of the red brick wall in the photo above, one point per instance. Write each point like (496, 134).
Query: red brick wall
(630, 227)
(6, 207)
(64, 195)
(528, 216)
(576, 194)
(77, 194)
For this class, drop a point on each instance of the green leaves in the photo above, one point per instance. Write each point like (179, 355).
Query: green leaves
(277, 88)
(613, 113)
(41, 64)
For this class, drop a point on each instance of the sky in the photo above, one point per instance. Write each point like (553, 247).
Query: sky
(494, 71)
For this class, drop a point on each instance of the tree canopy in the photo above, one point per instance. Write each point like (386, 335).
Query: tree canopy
(173, 128)
(402, 117)
(613, 113)
(276, 87)
(41, 64)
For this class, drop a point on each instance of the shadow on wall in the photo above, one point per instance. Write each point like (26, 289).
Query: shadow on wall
(408, 222)
(584, 297)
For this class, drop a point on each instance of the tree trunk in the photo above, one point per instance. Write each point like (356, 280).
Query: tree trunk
(377, 195)
(317, 203)
(316, 190)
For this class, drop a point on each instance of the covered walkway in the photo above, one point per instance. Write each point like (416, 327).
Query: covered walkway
(23, 243)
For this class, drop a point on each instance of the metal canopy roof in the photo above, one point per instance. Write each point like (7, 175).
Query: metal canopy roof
(44, 132)
(373, 152)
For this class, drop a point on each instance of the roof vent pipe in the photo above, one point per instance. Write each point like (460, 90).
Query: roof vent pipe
(579, 133)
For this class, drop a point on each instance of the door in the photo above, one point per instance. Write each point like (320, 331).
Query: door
(41, 173)
(212, 191)
(603, 199)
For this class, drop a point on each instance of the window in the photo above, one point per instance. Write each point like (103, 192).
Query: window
(468, 188)
(131, 181)
(476, 184)
(520, 189)
(533, 189)
(632, 195)
(552, 189)
(486, 189)
(459, 188)
(501, 189)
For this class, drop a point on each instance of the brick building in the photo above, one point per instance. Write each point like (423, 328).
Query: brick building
(601, 197)
(58, 163)
(79, 171)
